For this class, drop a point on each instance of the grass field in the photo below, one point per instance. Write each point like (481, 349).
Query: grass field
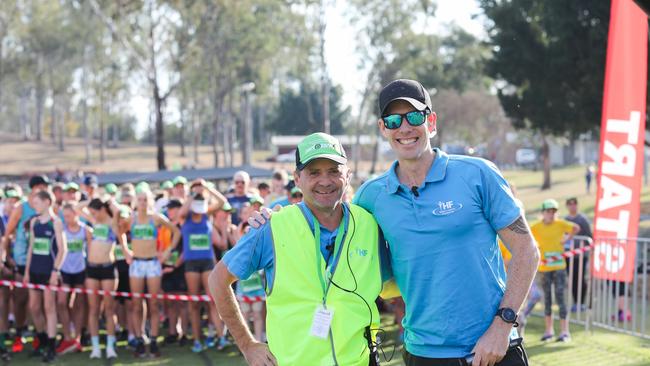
(592, 349)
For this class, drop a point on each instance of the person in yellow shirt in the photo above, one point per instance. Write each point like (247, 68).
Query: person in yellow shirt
(550, 234)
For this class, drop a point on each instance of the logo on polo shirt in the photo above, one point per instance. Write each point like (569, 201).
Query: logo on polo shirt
(447, 208)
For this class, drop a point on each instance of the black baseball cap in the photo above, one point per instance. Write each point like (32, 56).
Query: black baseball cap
(407, 90)
(174, 203)
(37, 180)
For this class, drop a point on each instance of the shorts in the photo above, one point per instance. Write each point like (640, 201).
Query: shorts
(145, 268)
(101, 272)
(20, 270)
(199, 265)
(174, 282)
(256, 306)
(39, 278)
(73, 279)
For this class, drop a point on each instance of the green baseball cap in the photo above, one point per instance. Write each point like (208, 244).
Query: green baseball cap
(295, 190)
(256, 199)
(319, 145)
(179, 180)
(550, 204)
(12, 193)
(125, 211)
(71, 186)
(227, 207)
(142, 187)
(110, 188)
(167, 184)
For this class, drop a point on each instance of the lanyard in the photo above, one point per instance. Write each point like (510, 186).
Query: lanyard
(319, 258)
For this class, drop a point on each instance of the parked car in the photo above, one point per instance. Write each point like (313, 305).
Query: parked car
(526, 157)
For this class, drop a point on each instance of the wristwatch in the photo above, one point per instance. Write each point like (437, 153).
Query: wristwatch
(508, 315)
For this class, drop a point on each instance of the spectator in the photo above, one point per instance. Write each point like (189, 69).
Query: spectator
(578, 279)
(240, 195)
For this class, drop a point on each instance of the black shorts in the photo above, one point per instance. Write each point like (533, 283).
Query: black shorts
(39, 278)
(174, 282)
(20, 270)
(73, 279)
(123, 279)
(515, 356)
(199, 265)
(101, 272)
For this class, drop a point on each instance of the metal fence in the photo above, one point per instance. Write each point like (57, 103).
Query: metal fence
(612, 305)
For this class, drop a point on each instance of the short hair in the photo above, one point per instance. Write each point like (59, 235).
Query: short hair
(281, 175)
(263, 185)
(45, 195)
(571, 200)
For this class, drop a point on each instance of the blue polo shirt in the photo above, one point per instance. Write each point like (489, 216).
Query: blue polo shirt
(443, 249)
(254, 251)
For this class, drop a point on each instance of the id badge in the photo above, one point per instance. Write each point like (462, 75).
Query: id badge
(320, 325)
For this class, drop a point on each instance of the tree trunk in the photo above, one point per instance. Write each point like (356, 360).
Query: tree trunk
(39, 107)
(196, 115)
(53, 118)
(24, 122)
(216, 111)
(115, 132)
(546, 161)
(183, 111)
(61, 131)
(325, 90)
(160, 129)
(247, 128)
(102, 131)
(375, 152)
(86, 130)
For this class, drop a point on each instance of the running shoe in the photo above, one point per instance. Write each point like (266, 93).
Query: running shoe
(547, 337)
(66, 347)
(96, 353)
(564, 338)
(183, 341)
(49, 356)
(18, 346)
(197, 347)
(153, 349)
(171, 339)
(110, 353)
(210, 342)
(140, 351)
(5, 355)
(223, 343)
(77, 346)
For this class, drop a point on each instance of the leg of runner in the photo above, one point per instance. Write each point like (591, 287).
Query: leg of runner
(258, 320)
(153, 287)
(49, 304)
(213, 315)
(62, 304)
(193, 286)
(4, 316)
(137, 286)
(36, 311)
(20, 300)
(109, 315)
(79, 315)
(93, 317)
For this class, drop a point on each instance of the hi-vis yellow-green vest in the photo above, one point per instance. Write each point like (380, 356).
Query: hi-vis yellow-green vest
(297, 292)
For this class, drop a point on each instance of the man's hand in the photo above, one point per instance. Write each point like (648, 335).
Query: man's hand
(259, 218)
(493, 344)
(258, 354)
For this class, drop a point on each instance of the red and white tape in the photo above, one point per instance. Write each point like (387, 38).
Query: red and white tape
(567, 254)
(81, 290)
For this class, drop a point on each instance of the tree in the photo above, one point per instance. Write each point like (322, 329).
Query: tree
(550, 59)
(300, 112)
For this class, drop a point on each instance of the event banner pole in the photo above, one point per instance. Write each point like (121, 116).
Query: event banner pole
(621, 143)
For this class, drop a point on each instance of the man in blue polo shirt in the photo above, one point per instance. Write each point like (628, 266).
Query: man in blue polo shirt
(440, 215)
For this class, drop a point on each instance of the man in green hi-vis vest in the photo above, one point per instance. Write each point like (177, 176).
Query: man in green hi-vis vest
(322, 262)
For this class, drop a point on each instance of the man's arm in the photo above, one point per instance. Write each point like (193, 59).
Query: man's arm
(220, 281)
(9, 230)
(493, 344)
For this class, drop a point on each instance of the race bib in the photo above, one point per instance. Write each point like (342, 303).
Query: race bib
(42, 246)
(119, 253)
(143, 232)
(551, 261)
(173, 257)
(199, 242)
(100, 232)
(253, 283)
(75, 246)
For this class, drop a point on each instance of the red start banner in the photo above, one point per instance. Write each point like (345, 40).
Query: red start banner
(621, 143)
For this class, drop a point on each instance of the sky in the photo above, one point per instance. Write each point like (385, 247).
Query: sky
(340, 53)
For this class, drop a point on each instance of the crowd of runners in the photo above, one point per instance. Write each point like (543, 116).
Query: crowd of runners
(133, 238)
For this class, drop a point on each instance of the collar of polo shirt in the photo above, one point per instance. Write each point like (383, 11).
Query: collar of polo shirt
(435, 174)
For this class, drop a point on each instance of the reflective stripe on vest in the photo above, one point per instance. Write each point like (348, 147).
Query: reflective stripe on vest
(297, 292)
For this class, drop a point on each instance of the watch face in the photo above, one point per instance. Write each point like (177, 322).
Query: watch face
(509, 315)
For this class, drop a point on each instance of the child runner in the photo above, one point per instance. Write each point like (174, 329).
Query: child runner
(550, 234)
(47, 249)
(73, 274)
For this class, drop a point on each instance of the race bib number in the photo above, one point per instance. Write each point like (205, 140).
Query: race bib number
(552, 260)
(253, 283)
(320, 326)
(173, 257)
(199, 242)
(100, 232)
(143, 232)
(75, 246)
(42, 246)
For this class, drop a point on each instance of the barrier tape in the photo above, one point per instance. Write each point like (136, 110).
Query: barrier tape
(136, 295)
(567, 254)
